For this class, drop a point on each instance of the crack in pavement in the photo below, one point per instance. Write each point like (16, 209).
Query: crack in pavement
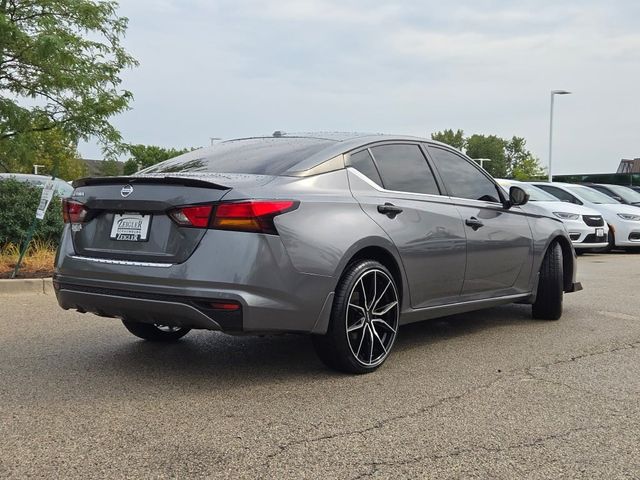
(374, 467)
(451, 398)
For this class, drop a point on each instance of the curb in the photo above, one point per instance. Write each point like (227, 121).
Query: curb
(26, 286)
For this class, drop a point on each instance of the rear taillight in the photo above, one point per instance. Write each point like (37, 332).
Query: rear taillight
(246, 216)
(195, 216)
(73, 212)
(251, 216)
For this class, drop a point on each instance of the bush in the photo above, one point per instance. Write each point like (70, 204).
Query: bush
(18, 204)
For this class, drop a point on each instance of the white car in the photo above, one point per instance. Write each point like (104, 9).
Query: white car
(587, 229)
(623, 220)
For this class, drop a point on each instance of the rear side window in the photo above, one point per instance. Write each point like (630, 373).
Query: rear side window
(363, 162)
(404, 168)
(463, 180)
(260, 156)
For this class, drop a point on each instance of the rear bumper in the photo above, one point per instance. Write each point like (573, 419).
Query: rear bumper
(147, 308)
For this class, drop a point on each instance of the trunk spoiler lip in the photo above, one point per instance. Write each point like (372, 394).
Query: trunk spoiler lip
(163, 180)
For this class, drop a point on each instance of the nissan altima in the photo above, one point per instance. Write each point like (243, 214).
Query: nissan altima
(343, 237)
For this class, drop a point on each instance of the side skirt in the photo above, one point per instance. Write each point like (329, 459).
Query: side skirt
(413, 316)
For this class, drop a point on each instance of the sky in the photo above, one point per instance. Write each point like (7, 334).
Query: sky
(235, 68)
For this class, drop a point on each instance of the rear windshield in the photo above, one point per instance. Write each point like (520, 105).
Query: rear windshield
(259, 156)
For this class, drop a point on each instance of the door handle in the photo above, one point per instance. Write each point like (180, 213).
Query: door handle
(389, 209)
(474, 223)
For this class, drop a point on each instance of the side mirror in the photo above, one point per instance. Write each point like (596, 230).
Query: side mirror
(517, 196)
(618, 199)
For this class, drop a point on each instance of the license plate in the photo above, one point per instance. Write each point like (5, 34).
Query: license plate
(130, 227)
(599, 232)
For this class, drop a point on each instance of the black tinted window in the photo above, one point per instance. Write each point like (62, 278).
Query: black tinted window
(363, 162)
(404, 168)
(261, 156)
(463, 179)
(560, 194)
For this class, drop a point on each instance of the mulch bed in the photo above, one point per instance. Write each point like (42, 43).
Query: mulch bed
(28, 274)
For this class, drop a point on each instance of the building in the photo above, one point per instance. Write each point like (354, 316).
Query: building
(629, 166)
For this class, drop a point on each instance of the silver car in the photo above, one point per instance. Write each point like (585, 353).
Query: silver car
(346, 238)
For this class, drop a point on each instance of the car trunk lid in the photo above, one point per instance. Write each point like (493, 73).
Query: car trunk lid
(128, 217)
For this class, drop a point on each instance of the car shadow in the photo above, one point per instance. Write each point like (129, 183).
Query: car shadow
(216, 358)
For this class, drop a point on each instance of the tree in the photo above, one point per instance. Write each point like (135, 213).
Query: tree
(143, 156)
(522, 164)
(110, 168)
(60, 65)
(491, 147)
(49, 148)
(509, 158)
(455, 139)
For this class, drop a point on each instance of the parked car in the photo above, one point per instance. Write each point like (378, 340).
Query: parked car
(345, 238)
(623, 220)
(587, 229)
(620, 193)
(62, 188)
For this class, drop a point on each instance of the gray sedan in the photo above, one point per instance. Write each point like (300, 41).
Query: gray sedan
(343, 237)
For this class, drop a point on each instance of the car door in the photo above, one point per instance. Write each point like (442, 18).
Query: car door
(399, 192)
(499, 240)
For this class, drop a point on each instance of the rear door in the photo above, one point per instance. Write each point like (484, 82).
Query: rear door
(499, 240)
(396, 187)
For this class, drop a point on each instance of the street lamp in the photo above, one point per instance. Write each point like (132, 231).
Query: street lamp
(553, 94)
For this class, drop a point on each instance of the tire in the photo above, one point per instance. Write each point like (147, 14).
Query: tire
(364, 320)
(548, 304)
(154, 332)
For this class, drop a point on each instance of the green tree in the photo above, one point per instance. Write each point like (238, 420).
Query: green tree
(491, 147)
(455, 139)
(60, 67)
(49, 148)
(143, 156)
(522, 164)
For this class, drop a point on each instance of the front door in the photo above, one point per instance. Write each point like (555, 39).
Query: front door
(499, 240)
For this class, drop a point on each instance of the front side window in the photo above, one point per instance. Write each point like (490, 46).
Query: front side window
(463, 179)
(404, 168)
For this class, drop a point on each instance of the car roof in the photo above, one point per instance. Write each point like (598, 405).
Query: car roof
(344, 142)
(327, 147)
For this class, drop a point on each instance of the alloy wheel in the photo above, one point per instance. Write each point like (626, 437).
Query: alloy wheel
(372, 317)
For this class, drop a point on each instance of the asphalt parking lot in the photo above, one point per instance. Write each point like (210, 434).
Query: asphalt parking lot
(492, 394)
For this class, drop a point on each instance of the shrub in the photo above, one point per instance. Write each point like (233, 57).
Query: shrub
(18, 204)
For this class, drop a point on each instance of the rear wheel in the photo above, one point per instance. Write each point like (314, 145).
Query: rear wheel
(364, 320)
(155, 332)
(548, 304)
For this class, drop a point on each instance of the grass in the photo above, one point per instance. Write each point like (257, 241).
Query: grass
(38, 261)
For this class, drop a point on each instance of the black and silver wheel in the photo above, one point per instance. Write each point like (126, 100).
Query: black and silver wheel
(155, 332)
(364, 320)
(548, 304)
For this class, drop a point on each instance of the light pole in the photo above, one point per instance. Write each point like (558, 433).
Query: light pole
(553, 94)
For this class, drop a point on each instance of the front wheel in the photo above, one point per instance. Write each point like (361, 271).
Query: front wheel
(155, 332)
(364, 320)
(548, 304)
